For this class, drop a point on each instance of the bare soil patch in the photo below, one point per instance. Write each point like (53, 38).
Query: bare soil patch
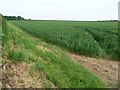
(42, 48)
(17, 75)
(106, 70)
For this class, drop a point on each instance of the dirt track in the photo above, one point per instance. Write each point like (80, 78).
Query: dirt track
(106, 70)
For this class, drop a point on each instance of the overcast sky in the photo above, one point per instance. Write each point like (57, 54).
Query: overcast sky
(61, 9)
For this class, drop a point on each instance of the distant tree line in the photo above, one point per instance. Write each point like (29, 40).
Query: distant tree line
(14, 18)
(107, 20)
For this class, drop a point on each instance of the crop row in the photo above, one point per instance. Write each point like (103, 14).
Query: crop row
(86, 40)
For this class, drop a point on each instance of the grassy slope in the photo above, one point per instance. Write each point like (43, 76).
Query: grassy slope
(19, 46)
(96, 39)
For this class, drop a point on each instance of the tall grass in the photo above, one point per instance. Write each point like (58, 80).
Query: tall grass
(81, 37)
